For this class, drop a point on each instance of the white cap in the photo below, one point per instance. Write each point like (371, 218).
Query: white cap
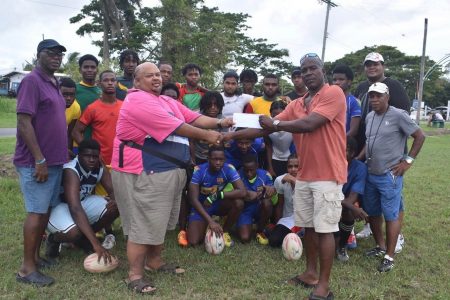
(374, 56)
(379, 88)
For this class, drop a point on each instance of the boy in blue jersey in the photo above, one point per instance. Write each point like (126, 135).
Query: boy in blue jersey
(352, 190)
(258, 201)
(241, 147)
(208, 198)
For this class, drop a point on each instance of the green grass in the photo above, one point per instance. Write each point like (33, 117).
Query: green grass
(7, 112)
(7, 145)
(257, 272)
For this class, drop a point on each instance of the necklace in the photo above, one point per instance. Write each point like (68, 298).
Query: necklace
(370, 149)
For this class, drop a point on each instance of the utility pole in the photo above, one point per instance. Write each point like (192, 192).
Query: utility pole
(422, 71)
(325, 32)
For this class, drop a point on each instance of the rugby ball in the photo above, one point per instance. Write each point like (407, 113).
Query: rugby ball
(92, 265)
(292, 247)
(213, 244)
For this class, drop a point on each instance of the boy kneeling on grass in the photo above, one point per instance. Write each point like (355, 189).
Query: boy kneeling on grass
(258, 201)
(210, 194)
(82, 213)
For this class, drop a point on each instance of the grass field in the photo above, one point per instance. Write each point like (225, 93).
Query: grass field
(7, 112)
(256, 272)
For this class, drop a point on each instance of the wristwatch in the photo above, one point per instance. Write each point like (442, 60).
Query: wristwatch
(275, 123)
(409, 160)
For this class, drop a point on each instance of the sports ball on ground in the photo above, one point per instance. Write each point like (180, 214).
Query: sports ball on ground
(214, 244)
(292, 247)
(92, 265)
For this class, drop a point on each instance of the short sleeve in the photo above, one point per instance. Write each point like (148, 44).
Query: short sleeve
(332, 102)
(355, 108)
(232, 174)
(87, 116)
(28, 96)
(279, 185)
(407, 125)
(197, 175)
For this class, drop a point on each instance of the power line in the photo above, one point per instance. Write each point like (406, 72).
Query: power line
(52, 4)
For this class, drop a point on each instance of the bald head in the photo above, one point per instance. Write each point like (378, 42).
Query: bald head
(148, 78)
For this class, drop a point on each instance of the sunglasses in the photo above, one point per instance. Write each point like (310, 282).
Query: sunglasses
(53, 54)
(308, 55)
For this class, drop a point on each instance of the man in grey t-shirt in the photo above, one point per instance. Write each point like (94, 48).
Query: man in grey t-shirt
(387, 129)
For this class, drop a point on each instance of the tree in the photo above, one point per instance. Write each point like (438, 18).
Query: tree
(400, 66)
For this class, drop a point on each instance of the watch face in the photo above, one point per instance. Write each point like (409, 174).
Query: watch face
(409, 160)
(276, 122)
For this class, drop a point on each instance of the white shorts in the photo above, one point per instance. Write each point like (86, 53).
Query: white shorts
(61, 220)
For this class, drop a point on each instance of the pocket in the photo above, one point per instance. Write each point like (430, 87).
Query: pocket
(333, 206)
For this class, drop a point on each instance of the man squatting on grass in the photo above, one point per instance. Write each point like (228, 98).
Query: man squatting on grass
(322, 171)
(147, 187)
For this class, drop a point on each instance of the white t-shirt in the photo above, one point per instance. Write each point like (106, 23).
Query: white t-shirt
(287, 191)
(281, 142)
(234, 104)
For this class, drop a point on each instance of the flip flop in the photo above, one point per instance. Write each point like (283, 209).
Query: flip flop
(167, 268)
(36, 278)
(330, 296)
(298, 282)
(140, 285)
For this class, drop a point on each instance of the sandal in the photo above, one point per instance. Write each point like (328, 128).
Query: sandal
(141, 286)
(167, 268)
(36, 278)
(298, 282)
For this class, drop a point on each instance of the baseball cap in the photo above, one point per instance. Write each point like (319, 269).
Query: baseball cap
(49, 43)
(379, 88)
(296, 71)
(374, 56)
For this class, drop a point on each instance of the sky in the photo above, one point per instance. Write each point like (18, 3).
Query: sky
(296, 25)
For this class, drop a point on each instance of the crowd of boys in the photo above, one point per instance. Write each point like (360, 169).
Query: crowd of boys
(89, 151)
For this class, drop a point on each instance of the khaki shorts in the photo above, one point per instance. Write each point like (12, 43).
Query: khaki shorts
(155, 206)
(123, 184)
(317, 204)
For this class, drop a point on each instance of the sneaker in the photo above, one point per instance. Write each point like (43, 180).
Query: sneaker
(227, 239)
(262, 239)
(386, 264)
(365, 232)
(182, 238)
(109, 242)
(342, 255)
(51, 247)
(351, 243)
(376, 252)
(400, 243)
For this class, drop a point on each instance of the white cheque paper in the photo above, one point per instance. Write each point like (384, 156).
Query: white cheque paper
(246, 120)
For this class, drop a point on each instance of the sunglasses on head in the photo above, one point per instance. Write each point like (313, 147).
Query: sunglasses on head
(308, 55)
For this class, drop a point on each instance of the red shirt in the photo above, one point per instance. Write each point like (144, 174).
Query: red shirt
(102, 117)
(322, 153)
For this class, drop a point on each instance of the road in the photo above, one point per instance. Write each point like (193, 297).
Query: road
(7, 132)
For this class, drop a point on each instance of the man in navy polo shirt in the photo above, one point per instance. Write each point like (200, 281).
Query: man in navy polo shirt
(41, 150)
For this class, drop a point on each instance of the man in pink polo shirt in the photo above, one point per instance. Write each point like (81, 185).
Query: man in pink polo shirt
(317, 121)
(148, 188)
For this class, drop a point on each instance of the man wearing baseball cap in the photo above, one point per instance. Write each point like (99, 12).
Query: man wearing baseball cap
(374, 66)
(299, 86)
(387, 129)
(41, 151)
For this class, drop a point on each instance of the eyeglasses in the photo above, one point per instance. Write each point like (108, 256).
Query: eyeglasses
(54, 54)
(308, 55)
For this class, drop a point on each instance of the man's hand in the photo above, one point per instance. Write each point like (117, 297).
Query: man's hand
(359, 214)
(102, 253)
(266, 122)
(216, 228)
(41, 172)
(285, 99)
(252, 195)
(269, 191)
(227, 122)
(228, 136)
(111, 206)
(400, 168)
(289, 179)
(213, 137)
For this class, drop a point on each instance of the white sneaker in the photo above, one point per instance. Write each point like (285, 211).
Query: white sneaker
(109, 242)
(400, 243)
(365, 232)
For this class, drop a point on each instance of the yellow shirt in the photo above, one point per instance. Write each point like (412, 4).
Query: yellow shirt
(73, 112)
(260, 106)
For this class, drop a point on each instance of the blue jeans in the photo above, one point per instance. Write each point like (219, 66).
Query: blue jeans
(40, 196)
(383, 196)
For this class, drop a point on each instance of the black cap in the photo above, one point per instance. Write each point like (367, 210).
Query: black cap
(49, 43)
(296, 71)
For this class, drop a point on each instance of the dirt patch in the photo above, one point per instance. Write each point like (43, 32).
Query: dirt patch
(440, 131)
(7, 168)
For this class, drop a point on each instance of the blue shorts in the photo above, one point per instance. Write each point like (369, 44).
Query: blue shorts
(383, 196)
(249, 214)
(40, 196)
(61, 219)
(213, 210)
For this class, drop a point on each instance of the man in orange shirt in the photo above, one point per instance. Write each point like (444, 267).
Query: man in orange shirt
(317, 121)
(102, 116)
